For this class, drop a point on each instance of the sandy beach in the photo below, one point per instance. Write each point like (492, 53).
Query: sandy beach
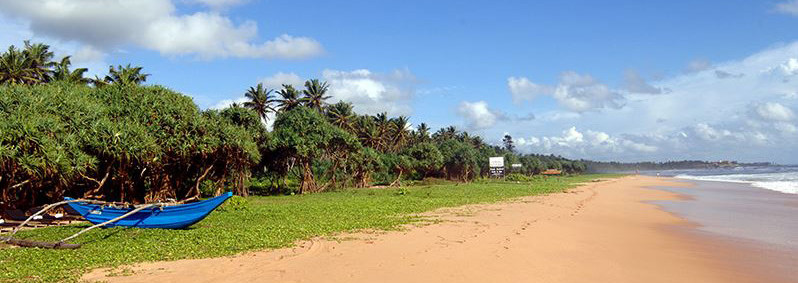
(605, 231)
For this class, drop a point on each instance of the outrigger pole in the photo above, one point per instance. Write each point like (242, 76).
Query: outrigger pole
(62, 244)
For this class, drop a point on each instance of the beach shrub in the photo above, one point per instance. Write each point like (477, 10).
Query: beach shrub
(302, 134)
(118, 142)
(459, 160)
(235, 203)
(516, 177)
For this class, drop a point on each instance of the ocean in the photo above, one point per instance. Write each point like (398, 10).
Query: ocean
(777, 178)
(751, 207)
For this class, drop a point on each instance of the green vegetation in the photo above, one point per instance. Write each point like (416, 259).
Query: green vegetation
(257, 223)
(113, 139)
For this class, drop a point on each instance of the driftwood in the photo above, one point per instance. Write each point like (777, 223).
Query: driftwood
(35, 244)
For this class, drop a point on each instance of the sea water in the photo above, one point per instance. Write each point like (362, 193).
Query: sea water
(777, 178)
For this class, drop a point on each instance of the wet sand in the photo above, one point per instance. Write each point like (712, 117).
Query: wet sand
(761, 225)
(601, 232)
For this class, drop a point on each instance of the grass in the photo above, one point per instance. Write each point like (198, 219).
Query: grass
(265, 222)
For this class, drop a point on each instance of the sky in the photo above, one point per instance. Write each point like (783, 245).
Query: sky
(601, 80)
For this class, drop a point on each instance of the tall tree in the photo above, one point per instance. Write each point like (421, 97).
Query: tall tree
(39, 60)
(63, 73)
(14, 67)
(383, 125)
(289, 98)
(422, 133)
(307, 137)
(400, 133)
(315, 94)
(508, 143)
(260, 100)
(126, 75)
(341, 115)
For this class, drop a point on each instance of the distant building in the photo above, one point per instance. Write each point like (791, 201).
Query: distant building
(552, 172)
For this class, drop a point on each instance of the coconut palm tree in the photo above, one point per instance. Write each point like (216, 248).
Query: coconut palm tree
(341, 115)
(14, 67)
(382, 124)
(126, 75)
(422, 133)
(369, 134)
(447, 133)
(400, 134)
(39, 60)
(260, 100)
(289, 98)
(314, 94)
(62, 72)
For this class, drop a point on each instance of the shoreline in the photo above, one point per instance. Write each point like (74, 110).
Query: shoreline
(718, 224)
(599, 231)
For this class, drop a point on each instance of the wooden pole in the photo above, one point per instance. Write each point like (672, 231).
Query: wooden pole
(111, 221)
(42, 211)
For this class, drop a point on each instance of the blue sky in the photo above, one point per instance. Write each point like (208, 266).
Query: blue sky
(609, 80)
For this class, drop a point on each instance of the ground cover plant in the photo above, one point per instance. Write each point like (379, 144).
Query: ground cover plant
(257, 222)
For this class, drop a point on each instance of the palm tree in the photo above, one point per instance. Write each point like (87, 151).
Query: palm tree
(422, 133)
(341, 115)
(369, 135)
(260, 100)
(289, 98)
(14, 67)
(126, 75)
(62, 72)
(447, 133)
(314, 94)
(400, 133)
(383, 126)
(39, 61)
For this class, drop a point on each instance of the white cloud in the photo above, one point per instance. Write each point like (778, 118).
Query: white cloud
(788, 7)
(789, 67)
(698, 65)
(524, 89)
(222, 104)
(277, 80)
(746, 113)
(580, 93)
(372, 93)
(154, 25)
(575, 92)
(575, 144)
(219, 4)
(774, 111)
(637, 84)
(478, 115)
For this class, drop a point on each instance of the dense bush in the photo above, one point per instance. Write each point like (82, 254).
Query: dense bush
(109, 138)
(118, 142)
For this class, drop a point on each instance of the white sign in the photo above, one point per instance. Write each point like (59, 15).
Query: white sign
(516, 165)
(496, 161)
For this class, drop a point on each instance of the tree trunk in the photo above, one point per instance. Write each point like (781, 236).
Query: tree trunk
(398, 180)
(195, 193)
(308, 184)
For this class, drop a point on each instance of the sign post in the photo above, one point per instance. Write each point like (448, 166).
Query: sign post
(516, 167)
(496, 166)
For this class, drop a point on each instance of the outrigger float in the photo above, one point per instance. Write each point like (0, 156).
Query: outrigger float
(104, 214)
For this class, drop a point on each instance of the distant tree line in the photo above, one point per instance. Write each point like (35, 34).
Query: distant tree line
(112, 138)
(600, 166)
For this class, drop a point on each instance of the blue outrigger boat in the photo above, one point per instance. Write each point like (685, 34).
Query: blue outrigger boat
(164, 217)
(101, 214)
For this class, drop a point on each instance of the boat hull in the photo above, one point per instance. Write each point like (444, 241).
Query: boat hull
(167, 217)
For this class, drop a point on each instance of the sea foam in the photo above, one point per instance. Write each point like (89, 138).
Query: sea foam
(785, 182)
